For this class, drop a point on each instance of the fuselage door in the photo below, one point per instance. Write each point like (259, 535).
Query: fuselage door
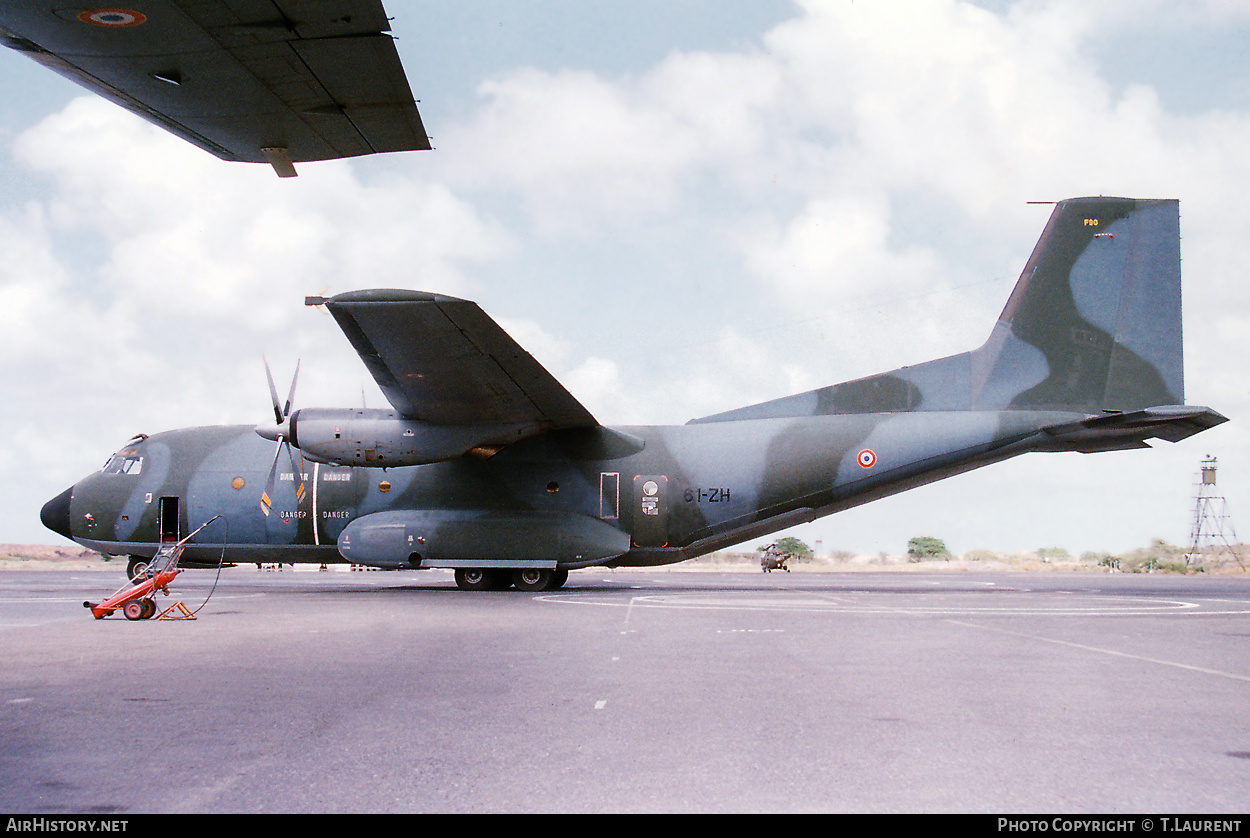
(168, 513)
(650, 510)
(609, 495)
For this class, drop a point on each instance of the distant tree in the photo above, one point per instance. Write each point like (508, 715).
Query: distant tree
(924, 547)
(1101, 559)
(1160, 555)
(793, 546)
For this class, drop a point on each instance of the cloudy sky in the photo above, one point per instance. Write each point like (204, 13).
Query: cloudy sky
(678, 207)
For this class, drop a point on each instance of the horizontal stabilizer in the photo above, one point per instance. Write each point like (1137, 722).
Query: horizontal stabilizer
(1114, 431)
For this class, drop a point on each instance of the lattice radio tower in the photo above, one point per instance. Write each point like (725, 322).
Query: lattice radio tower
(1212, 536)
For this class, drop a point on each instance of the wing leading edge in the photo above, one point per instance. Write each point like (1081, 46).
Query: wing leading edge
(442, 360)
(261, 81)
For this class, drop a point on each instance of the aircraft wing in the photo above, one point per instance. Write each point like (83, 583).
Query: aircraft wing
(443, 360)
(264, 81)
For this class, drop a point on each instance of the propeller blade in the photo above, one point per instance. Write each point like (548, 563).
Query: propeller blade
(273, 393)
(266, 497)
(286, 410)
(297, 471)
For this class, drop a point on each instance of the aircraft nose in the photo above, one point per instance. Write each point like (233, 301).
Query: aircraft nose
(55, 513)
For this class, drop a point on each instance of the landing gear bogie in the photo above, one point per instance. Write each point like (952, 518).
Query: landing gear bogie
(531, 580)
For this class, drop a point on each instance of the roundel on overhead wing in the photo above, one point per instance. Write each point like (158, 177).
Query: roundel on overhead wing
(867, 458)
(112, 17)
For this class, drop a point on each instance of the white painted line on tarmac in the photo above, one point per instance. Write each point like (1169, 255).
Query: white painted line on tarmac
(1204, 670)
(954, 604)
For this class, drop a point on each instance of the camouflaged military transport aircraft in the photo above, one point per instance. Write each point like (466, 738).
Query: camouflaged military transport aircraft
(486, 464)
(263, 81)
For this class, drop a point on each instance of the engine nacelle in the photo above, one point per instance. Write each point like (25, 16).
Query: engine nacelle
(480, 538)
(384, 439)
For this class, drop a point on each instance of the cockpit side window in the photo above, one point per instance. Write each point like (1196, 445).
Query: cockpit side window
(127, 461)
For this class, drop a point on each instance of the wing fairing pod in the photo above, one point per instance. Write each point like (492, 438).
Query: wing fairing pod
(480, 538)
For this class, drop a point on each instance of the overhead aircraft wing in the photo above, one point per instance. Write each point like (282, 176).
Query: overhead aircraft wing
(442, 360)
(263, 81)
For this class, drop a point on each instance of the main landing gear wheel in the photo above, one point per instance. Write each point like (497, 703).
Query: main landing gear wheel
(135, 567)
(492, 579)
(534, 580)
(479, 579)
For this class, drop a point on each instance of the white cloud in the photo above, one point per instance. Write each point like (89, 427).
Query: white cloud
(185, 236)
(569, 143)
(825, 254)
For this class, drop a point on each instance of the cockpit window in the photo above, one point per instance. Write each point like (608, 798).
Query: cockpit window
(126, 461)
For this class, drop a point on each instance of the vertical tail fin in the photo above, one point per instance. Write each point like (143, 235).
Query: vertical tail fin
(1094, 324)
